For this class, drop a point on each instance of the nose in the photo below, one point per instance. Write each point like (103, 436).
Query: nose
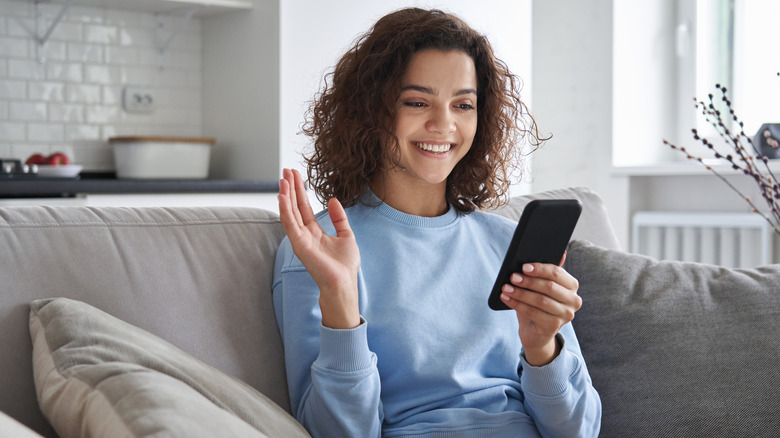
(441, 121)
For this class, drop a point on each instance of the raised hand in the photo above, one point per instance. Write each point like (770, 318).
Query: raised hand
(544, 296)
(332, 261)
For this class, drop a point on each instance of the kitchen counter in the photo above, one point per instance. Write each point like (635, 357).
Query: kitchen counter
(86, 185)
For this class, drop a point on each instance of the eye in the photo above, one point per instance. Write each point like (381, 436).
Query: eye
(465, 106)
(414, 104)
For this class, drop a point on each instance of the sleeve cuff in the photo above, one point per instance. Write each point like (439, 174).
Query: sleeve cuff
(552, 379)
(345, 350)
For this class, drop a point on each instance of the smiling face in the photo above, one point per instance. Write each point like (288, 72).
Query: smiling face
(435, 123)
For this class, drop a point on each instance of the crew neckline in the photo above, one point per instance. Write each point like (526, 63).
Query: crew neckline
(371, 200)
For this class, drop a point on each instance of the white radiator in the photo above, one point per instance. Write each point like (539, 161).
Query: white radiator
(735, 240)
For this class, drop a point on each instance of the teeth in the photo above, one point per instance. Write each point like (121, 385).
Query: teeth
(438, 148)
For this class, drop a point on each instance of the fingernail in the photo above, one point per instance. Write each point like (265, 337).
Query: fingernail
(528, 267)
(505, 297)
(516, 278)
(507, 288)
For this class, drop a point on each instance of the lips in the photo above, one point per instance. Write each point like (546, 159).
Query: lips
(437, 148)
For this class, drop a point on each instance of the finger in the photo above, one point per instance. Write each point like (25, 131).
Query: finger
(550, 272)
(548, 318)
(339, 218)
(289, 176)
(306, 212)
(543, 292)
(286, 215)
(563, 259)
(544, 302)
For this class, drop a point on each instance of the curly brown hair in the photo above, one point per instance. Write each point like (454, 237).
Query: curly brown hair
(352, 120)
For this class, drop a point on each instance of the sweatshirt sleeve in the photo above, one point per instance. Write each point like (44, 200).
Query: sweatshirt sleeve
(560, 395)
(332, 376)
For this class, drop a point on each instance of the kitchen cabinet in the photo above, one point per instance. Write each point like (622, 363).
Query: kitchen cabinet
(205, 7)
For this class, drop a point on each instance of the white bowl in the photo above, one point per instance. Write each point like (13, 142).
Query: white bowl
(59, 171)
(161, 157)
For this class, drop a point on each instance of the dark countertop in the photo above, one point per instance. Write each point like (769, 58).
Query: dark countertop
(102, 184)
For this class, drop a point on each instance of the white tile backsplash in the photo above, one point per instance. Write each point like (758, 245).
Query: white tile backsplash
(65, 72)
(14, 9)
(13, 131)
(46, 132)
(100, 34)
(26, 69)
(72, 102)
(66, 31)
(82, 52)
(30, 111)
(13, 89)
(82, 93)
(121, 55)
(68, 113)
(81, 132)
(46, 91)
(14, 46)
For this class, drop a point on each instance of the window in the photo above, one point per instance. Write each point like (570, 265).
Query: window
(738, 46)
(668, 52)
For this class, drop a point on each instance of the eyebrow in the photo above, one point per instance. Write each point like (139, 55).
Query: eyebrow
(428, 90)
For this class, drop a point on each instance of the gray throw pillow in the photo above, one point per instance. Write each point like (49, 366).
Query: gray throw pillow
(679, 349)
(97, 376)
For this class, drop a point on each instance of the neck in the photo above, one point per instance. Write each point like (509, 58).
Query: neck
(427, 201)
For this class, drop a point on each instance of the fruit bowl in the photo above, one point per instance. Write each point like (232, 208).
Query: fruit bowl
(59, 171)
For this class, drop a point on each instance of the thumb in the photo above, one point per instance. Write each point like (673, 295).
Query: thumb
(339, 218)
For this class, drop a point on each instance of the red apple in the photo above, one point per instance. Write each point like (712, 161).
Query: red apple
(57, 158)
(36, 159)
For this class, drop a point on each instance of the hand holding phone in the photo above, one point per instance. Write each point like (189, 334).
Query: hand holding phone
(541, 236)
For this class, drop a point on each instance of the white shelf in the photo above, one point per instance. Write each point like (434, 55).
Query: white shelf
(683, 168)
(207, 7)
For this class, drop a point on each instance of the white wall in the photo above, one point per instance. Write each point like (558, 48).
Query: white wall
(72, 101)
(241, 87)
(572, 88)
(315, 34)
(645, 80)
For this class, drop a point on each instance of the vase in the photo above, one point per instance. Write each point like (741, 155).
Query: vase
(767, 140)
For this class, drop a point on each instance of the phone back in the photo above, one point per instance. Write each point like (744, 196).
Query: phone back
(541, 236)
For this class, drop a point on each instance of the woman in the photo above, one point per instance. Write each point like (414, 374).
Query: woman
(382, 298)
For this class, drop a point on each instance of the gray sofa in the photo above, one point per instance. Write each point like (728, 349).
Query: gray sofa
(133, 322)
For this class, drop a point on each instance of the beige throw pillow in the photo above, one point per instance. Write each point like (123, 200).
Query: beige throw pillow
(97, 376)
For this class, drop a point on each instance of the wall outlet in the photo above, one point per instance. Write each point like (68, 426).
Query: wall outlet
(137, 99)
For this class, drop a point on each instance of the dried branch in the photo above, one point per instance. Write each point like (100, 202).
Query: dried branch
(744, 157)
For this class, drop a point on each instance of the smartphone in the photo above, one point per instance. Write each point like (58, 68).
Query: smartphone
(541, 236)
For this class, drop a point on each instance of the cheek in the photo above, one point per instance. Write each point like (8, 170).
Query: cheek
(402, 125)
(469, 128)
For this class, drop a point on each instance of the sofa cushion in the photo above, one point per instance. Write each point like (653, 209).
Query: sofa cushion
(199, 278)
(594, 224)
(679, 349)
(96, 375)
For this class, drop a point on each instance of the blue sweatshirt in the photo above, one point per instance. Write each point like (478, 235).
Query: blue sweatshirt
(430, 358)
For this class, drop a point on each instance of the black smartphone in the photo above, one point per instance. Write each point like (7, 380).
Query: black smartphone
(541, 236)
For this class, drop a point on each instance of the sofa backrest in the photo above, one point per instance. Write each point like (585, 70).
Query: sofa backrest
(199, 278)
